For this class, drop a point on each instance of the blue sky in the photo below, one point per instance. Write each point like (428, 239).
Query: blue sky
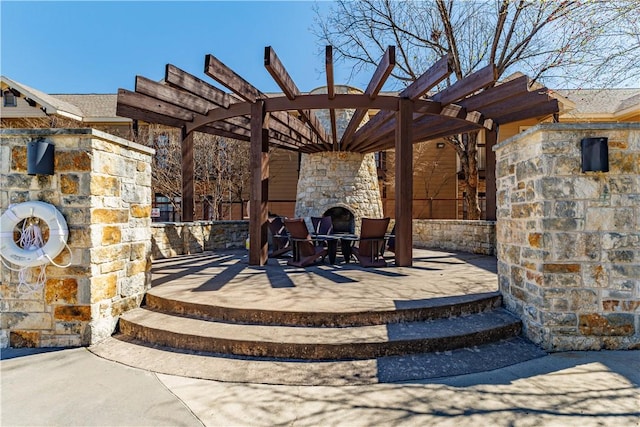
(98, 47)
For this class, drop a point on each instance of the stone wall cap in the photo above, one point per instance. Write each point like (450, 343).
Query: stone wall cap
(588, 126)
(44, 132)
(479, 222)
(222, 221)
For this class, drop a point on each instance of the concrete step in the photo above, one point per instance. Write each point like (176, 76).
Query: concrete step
(320, 314)
(319, 343)
(417, 367)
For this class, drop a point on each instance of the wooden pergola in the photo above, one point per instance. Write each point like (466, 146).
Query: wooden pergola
(289, 122)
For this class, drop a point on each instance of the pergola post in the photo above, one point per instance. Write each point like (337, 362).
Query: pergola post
(404, 184)
(188, 182)
(259, 164)
(491, 137)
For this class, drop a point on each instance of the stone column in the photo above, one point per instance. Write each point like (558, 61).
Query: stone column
(102, 186)
(568, 242)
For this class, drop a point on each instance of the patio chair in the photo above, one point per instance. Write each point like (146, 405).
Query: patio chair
(391, 243)
(322, 225)
(305, 252)
(281, 243)
(371, 243)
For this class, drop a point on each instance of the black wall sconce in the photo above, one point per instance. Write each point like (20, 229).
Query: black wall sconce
(40, 157)
(595, 154)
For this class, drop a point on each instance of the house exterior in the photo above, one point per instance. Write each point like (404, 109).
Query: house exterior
(438, 189)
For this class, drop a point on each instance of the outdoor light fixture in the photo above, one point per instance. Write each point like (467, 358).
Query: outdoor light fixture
(595, 154)
(440, 145)
(40, 157)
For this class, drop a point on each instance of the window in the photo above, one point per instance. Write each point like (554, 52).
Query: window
(9, 98)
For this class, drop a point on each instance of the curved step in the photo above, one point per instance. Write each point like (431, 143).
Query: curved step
(403, 311)
(355, 372)
(318, 343)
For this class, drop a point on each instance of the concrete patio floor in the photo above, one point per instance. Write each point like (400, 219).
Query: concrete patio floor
(224, 278)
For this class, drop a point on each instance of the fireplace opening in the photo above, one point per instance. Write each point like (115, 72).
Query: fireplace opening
(342, 219)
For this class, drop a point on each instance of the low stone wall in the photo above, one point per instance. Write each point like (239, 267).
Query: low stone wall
(569, 241)
(171, 239)
(179, 238)
(102, 187)
(477, 237)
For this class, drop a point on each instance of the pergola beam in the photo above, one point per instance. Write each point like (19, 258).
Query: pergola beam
(450, 112)
(378, 79)
(427, 80)
(218, 71)
(545, 108)
(518, 102)
(243, 135)
(173, 96)
(224, 75)
(496, 94)
(148, 103)
(472, 83)
(180, 79)
(135, 113)
(466, 86)
(331, 93)
(280, 75)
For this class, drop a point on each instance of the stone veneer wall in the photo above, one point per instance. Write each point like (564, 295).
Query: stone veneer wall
(345, 179)
(102, 186)
(477, 237)
(568, 241)
(170, 239)
(339, 179)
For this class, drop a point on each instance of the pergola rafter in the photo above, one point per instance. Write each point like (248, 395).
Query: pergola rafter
(290, 122)
(285, 82)
(375, 86)
(331, 93)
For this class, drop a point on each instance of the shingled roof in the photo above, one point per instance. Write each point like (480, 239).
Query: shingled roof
(602, 102)
(49, 103)
(93, 106)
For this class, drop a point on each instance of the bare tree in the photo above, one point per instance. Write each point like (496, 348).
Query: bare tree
(570, 42)
(221, 169)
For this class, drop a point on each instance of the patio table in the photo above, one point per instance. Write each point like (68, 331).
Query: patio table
(332, 244)
(346, 242)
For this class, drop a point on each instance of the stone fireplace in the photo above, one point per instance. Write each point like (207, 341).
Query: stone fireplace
(339, 179)
(341, 184)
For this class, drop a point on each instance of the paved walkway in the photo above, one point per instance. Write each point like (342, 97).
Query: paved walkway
(74, 387)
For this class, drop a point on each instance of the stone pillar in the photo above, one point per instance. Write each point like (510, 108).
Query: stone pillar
(568, 242)
(102, 186)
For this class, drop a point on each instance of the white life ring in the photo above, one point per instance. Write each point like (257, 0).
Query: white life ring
(58, 233)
